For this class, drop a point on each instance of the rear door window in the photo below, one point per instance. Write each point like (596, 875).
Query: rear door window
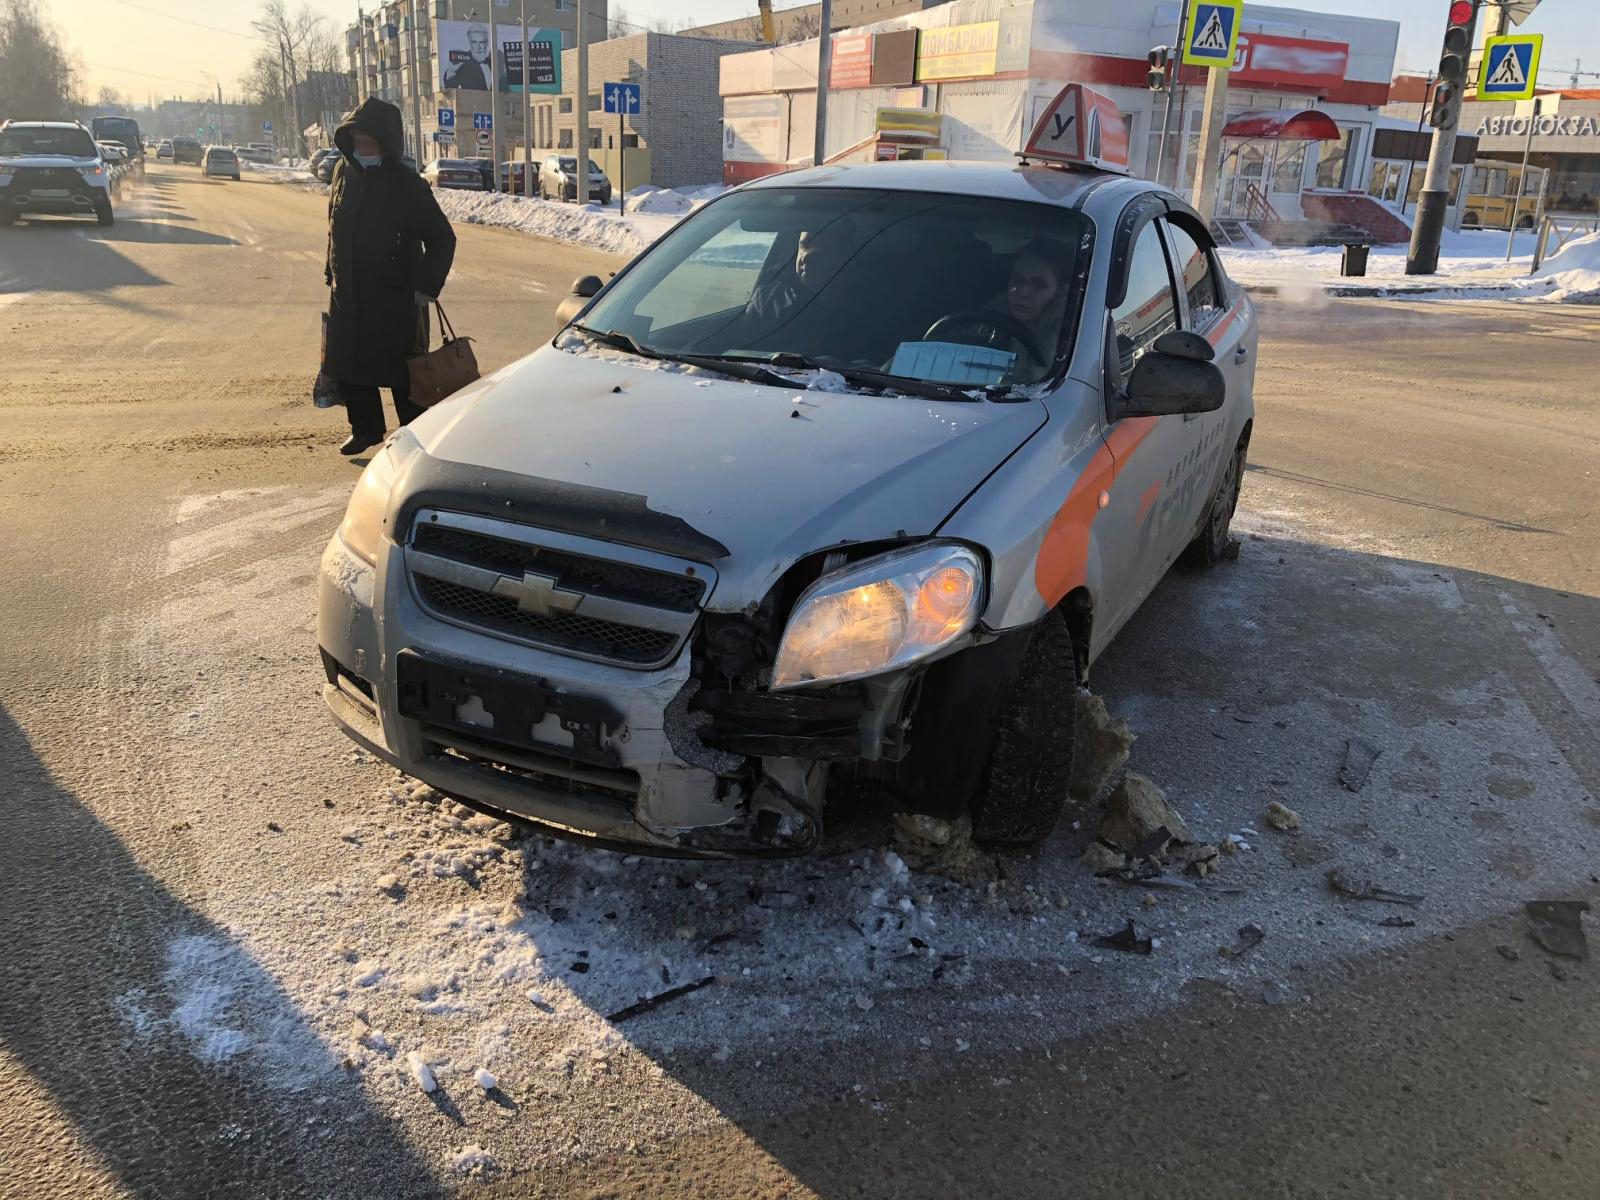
(1201, 286)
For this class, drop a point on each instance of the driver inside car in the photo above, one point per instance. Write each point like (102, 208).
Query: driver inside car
(1036, 294)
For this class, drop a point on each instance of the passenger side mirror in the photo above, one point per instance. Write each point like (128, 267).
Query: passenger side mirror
(583, 289)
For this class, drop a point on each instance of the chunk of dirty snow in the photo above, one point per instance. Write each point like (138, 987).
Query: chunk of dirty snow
(421, 1071)
(385, 883)
(471, 1159)
(1281, 817)
(534, 996)
(1101, 857)
(896, 864)
(484, 1078)
(1101, 745)
(1137, 808)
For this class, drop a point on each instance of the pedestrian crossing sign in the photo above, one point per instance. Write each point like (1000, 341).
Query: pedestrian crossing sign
(1510, 66)
(1212, 32)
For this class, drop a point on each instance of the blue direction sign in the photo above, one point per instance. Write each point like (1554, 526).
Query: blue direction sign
(447, 118)
(1510, 67)
(1213, 33)
(483, 120)
(623, 98)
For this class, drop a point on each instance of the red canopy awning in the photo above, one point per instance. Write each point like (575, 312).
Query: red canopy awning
(1284, 125)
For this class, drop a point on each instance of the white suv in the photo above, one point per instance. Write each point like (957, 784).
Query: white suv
(52, 167)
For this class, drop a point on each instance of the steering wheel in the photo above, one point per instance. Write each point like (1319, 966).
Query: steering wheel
(999, 322)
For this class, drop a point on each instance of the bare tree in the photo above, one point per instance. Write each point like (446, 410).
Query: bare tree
(288, 36)
(109, 97)
(799, 26)
(620, 23)
(38, 78)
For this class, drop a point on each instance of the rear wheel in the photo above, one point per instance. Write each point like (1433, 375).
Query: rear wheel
(1210, 545)
(1024, 787)
(102, 211)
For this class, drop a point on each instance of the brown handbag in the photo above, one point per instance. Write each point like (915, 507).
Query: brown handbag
(436, 374)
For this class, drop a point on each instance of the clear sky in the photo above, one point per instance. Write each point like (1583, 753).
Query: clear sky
(139, 48)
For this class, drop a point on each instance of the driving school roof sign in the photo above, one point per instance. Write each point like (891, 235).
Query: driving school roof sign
(1080, 127)
(1212, 32)
(1510, 67)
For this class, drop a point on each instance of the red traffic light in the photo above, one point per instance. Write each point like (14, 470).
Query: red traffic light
(1461, 12)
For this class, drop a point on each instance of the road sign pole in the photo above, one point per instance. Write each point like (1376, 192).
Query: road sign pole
(819, 150)
(1172, 86)
(622, 167)
(1522, 179)
(1214, 118)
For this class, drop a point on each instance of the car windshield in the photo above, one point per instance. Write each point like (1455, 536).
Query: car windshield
(948, 289)
(74, 143)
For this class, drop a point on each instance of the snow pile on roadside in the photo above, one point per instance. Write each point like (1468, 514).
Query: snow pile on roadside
(672, 200)
(1471, 258)
(588, 225)
(1575, 271)
(299, 176)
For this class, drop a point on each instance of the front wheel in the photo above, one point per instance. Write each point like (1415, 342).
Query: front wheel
(1210, 545)
(1024, 787)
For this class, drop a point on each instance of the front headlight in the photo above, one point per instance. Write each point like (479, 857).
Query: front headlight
(880, 613)
(362, 528)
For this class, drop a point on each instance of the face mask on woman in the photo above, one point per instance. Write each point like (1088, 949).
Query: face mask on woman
(368, 160)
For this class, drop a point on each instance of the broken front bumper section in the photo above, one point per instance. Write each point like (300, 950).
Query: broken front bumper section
(601, 753)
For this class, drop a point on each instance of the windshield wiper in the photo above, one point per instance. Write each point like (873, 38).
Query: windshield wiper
(738, 370)
(865, 375)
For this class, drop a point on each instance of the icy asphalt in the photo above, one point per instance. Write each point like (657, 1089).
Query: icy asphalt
(235, 948)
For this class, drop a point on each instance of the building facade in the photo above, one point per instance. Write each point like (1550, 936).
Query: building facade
(988, 68)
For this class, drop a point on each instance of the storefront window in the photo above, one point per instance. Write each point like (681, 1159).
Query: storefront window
(1291, 168)
(1333, 161)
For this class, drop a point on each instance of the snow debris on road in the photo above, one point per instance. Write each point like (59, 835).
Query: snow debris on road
(1472, 266)
(471, 1160)
(420, 1071)
(1101, 745)
(484, 1078)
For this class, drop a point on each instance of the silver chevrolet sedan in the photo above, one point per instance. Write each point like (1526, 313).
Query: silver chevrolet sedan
(856, 470)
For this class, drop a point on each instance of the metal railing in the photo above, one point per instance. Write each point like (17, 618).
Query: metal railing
(1256, 205)
(1565, 230)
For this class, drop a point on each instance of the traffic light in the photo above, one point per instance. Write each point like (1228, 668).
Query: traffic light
(1156, 77)
(1452, 83)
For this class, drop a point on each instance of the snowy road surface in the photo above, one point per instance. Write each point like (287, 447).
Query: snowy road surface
(242, 958)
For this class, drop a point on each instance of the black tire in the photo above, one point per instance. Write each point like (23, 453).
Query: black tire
(1210, 545)
(103, 212)
(1024, 787)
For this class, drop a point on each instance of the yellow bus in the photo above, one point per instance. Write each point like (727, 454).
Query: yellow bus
(1492, 193)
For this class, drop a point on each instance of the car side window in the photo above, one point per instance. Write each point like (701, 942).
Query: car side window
(1199, 278)
(1149, 307)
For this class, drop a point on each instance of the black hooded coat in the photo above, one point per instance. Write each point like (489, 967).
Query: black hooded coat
(387, 241)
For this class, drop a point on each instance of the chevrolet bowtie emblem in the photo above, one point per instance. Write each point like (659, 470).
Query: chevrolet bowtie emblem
(538, 594)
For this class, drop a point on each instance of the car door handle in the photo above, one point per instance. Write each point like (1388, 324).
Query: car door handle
(1242, 353)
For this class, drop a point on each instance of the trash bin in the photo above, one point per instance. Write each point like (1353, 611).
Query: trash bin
(1355, 259)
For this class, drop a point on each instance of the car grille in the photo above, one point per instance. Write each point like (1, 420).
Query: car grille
(634, 612)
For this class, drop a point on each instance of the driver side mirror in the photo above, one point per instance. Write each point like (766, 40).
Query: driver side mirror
(1176, 375)
(583, 290)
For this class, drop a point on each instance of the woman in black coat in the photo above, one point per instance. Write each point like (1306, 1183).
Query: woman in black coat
(389, 251)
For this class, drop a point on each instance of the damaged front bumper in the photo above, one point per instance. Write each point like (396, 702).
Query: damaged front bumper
(637, 759)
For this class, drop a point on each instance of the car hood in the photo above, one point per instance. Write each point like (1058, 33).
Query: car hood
(772, 474)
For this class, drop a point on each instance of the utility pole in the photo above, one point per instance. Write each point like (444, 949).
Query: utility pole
(1411, 166)
(416, 87)
(1422, 257)
(527, 106)
(819, 153)
(496, 57)
(361, 47)
(581, 104)
(1176, 57)
(1212, 120)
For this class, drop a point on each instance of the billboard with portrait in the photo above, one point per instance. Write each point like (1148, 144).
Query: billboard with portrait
(465, 57)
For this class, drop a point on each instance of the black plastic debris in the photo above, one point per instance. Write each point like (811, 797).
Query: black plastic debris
(1557, 925)
(1359, 755)
(1397, 923)
(1250, 936)
(1506, 952)
(579, 968)
(1125, 939)
(1364, 889)
(660, 998)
